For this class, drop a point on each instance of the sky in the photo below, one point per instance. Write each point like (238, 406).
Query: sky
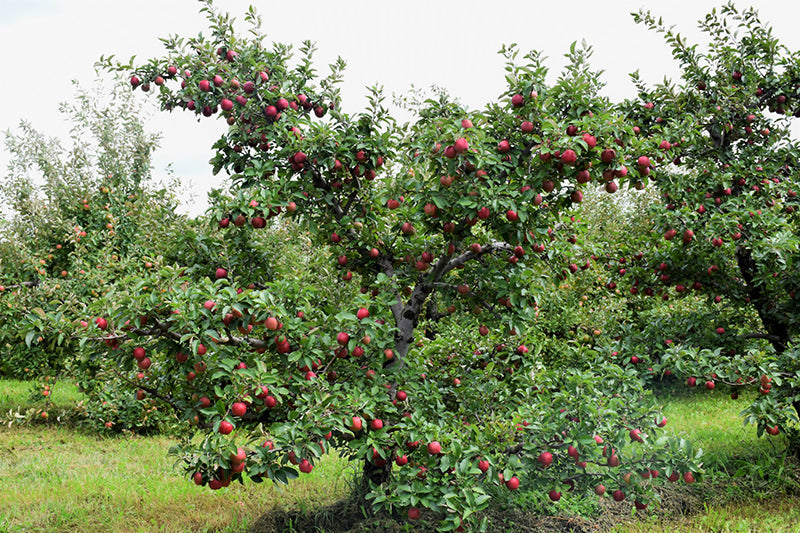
(453, 44)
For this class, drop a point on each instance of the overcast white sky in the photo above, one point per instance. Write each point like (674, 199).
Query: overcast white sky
(48, 43)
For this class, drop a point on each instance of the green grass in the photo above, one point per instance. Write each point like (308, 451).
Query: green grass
(60, 479)
(750, 485)
(14, 394)
(777, 515)
(55, 479)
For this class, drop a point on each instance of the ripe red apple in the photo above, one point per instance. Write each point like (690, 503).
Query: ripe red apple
(692, 381)
(554, 495)
(688, 235)
(375, 424)
(526, 126)
(461, 145)
(569, 157)
(221, 273)
(144, 364)
(513, 483)
(402, 395)
(238, 409)
(545, 458)
(414, 513)
(600, 490)
(343, 338)
(225, 427)
(618, 495)
(401, 460)
(483, 465)
(688, 477)
(138, 353)
(356, 424)
(434, 448)
(710, 385)
(362, 313)
(608, 155)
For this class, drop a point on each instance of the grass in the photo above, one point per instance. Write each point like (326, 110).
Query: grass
(750, 485)
(59, 479)
(14, 394)
(776, 515)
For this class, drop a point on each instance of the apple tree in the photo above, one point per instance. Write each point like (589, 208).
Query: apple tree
(79, 216)
(409, 350)
(723, 244)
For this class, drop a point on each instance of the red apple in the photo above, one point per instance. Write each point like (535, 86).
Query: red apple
(238, 409)
(545, 458)
(569, 157)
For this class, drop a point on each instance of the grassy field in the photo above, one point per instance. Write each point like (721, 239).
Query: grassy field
(750, 484)
(61, 480)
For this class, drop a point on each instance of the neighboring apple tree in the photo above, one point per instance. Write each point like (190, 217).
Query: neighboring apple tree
(79, 217)
(723, 246)
(76, 213)
(409, 350)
